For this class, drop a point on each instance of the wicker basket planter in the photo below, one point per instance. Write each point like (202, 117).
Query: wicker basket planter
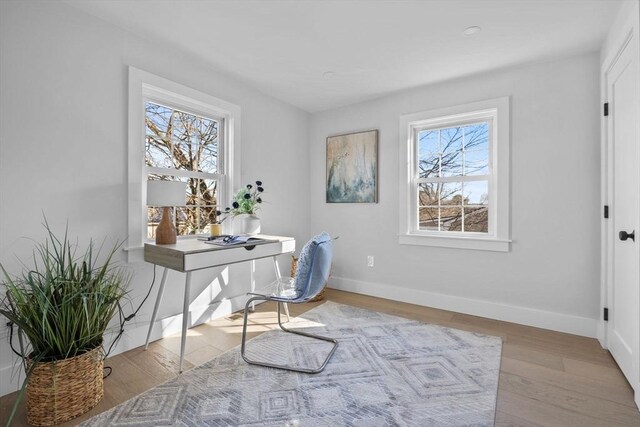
(61, 390)
(294, 264)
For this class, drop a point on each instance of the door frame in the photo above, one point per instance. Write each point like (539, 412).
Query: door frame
(625, 34)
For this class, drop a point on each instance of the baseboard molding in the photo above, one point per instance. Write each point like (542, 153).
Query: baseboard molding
(509, 313)
(11, 378)
(135, 334)
(12, 375)
(602, 334)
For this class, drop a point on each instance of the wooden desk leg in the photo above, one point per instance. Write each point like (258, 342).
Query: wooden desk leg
(155, 308)
(278, 276)
(185, 317)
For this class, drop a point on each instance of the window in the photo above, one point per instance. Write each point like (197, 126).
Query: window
(455, 186)
(453, 177)
(180, 134)
(181, 146)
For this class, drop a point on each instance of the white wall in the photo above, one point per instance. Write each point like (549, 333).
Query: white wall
(63, 147)
(550, 278)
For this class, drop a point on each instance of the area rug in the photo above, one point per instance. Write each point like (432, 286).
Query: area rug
(387, 371)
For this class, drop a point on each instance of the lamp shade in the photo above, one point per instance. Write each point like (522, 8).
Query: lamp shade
(166, 193)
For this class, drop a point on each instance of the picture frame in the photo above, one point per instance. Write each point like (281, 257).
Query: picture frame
(352, 168)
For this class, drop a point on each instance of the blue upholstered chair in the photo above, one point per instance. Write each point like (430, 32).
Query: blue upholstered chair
(312, 273)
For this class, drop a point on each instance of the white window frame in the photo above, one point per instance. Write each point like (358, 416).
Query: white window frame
(143, 87)
(497, 112)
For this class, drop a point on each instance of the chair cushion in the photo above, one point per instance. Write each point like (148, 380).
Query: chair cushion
(308, 267)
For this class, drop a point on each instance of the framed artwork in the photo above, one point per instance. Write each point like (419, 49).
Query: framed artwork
(352, 168)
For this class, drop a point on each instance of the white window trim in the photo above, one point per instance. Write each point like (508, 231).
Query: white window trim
(144, 86)
(498, 240)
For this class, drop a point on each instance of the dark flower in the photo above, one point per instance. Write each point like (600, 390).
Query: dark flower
(218, 213)
(246, 199)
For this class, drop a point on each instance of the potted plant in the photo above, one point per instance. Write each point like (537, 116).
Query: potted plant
(247, 201)
(62, 306)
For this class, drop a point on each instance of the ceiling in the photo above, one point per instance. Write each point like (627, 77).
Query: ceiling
(284, 47)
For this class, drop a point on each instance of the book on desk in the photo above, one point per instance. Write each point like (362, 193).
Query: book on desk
(231, 240)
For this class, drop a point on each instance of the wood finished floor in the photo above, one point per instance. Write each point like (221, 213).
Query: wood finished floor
(546, 378)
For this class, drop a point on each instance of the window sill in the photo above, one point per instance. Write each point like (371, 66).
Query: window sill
(134, 254)
(473, 243)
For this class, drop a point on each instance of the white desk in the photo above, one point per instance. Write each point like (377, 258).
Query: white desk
(188, 255)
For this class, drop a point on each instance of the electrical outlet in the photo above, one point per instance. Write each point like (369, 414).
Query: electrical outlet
(370, 261)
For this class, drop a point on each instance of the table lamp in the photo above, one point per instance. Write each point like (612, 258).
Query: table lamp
(166, 194)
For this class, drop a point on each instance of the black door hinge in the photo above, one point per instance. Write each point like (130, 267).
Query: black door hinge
(606, 109)
(606, 314)
(606, 211)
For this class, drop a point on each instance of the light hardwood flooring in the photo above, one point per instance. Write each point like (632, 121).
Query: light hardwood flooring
(546, 378)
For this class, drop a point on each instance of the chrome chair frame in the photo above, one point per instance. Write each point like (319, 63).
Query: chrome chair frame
(258, 297)
(278, 299)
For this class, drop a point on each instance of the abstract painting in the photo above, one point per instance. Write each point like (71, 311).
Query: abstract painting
(352, 168)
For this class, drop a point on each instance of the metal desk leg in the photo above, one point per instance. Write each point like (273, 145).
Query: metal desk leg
(155, 308)
(185, 317)
(278, 276)
(253, 281)
(286, 310)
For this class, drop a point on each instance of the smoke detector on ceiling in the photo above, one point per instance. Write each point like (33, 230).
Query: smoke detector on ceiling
(471, 31)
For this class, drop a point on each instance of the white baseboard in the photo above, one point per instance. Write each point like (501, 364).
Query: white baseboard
(135, 334)
(11, 378)
(11, 375)
(602, 334)
(583, 326)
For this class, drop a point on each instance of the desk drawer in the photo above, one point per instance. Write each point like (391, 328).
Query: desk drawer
(200, 260)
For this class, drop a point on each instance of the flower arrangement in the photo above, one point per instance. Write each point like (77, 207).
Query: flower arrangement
(247, 200)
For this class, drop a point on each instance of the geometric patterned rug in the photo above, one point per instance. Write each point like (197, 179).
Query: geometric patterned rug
(386, 371)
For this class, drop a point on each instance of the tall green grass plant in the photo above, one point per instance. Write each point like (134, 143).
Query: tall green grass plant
(64, 303)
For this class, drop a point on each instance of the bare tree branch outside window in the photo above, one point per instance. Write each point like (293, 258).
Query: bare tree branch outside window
(176, 140)
(445, 203)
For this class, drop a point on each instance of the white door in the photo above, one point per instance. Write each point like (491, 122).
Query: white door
(623, 327)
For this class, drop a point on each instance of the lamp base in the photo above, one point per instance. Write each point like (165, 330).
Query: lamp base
(166, 231)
